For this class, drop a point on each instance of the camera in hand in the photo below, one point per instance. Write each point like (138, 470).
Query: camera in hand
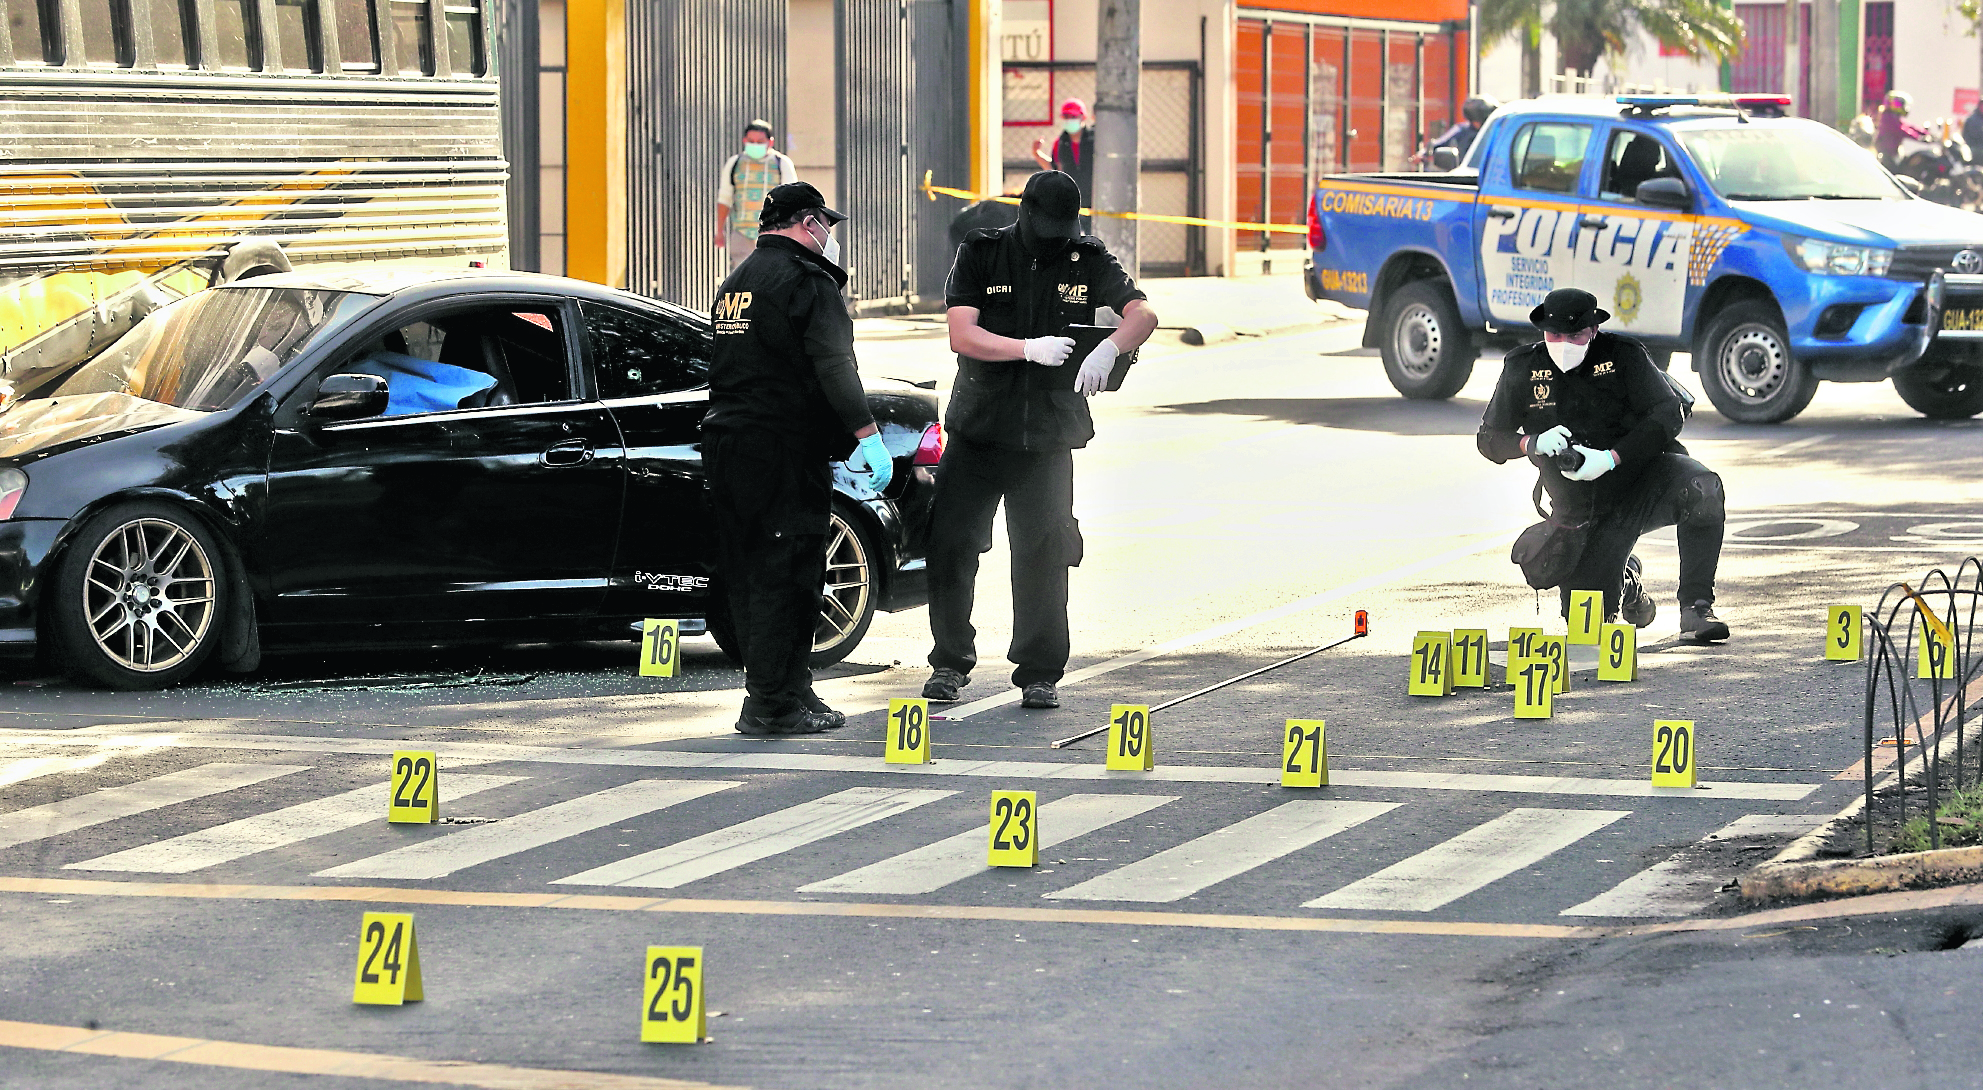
(1570, 461)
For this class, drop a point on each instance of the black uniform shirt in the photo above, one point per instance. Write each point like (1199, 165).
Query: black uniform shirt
(1615, 400)
(784, 355)
(1013, 404)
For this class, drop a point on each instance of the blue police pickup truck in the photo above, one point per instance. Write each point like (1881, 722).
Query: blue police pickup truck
(1774, 250)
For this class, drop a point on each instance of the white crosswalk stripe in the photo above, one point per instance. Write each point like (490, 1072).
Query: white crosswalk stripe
(444, 855)
(275, 829)
(28, 768)
(1226, 853)
(1448, 871)
(111, 803)
(758, 838)
(1679, 887)
(955, 858)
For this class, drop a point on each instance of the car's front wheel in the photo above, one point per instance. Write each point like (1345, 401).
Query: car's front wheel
(1942, 391)
(137, 600)
(846, 602)
(1747, 368)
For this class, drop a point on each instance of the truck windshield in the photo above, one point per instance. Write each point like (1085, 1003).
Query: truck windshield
(1767, 163)
(206, 351)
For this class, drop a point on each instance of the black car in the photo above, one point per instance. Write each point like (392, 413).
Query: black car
(397, 457)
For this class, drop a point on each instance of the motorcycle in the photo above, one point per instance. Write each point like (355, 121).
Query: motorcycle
(1944, 167)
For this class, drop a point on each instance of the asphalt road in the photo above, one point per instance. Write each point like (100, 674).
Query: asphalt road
(1469, 902)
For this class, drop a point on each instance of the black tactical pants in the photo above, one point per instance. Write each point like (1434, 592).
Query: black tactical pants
(770, 505)
(1038, 490)
(1673, 490)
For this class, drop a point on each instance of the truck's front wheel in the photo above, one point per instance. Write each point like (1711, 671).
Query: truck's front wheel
(1427, 352)
(1747, 369)
(1942, 391)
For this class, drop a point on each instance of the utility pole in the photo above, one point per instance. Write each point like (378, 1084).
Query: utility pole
(1118, 76)
(1824, 62)
(1790, 67)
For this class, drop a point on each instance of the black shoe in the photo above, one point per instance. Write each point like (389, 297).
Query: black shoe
(1634, 603)
(803, 721)
(818, 707)
(1040, 694)
(943, 685)
(1698, 622)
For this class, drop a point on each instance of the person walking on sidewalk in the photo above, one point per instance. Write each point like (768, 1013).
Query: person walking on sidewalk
(785, 400)
(747, 177)
(1017, 410)
(1598, 398)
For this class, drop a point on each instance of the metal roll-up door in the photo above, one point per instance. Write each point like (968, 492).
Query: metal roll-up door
(877, 82)
(516, 33)
(697, 73)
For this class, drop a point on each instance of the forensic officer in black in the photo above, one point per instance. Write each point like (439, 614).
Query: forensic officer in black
(1017, 410)
(785, 400)
(1594, 400)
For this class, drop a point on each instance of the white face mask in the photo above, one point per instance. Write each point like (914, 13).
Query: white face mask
(828, 249)
(1567, 355)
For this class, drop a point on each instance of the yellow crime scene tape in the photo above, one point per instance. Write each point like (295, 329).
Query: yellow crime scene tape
(931, 190)
(1928, 616)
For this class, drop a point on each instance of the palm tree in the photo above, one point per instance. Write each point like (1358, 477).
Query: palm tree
(1586, 30)
(1521, 20)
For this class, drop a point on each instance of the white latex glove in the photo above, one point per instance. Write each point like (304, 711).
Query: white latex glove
(1552, 442)
(1095, 370)
(1597, 463)
(1050, 351)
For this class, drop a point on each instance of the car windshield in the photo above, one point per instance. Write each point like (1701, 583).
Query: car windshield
(1770, 163)
(205, 352)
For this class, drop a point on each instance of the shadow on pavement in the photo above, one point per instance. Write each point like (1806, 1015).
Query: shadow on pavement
(1396, 416)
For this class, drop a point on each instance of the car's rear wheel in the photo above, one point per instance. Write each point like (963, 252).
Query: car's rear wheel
(1747, 368)
(847, 597)
(1427, 352)
(137, 601)
(1952, 391)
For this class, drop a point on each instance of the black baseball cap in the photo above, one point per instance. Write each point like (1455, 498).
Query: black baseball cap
(1567, 310)
(1051, 203)
(788, 200)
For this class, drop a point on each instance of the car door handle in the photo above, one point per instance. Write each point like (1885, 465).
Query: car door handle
(1502, 213)
(1592, 221)
(571, 452)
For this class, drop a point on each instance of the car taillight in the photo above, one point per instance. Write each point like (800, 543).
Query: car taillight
(1315, 237)
(930, 451)
(13, 485)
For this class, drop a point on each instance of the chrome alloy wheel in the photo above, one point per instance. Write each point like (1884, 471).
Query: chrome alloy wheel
(148, 595)
(1417, 338)
(1754, 363)
(849, 582)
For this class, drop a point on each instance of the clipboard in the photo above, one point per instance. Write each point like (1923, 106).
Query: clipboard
(1086, 337)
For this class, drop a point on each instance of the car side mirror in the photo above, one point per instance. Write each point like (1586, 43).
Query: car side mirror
(349, 397)
(1445, 158)
(1664, 193)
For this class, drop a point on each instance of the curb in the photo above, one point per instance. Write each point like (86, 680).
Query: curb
(1852, 877)
(1219, 333)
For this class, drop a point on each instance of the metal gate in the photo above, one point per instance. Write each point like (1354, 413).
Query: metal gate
(877, 75)
(697, 73)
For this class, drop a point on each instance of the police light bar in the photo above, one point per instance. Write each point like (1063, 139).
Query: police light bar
(1765, 105)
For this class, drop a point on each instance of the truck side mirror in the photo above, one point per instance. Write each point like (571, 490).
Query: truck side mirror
(349, 397)
(1445, 158)
(1664, 193)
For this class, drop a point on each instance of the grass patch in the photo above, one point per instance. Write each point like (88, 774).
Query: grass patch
(1960, 818)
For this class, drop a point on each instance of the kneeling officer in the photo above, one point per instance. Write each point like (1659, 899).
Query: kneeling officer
(784, 401)
(1600, 421)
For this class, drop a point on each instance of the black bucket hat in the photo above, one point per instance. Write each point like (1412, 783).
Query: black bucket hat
(1567, 310)
(1051, 205)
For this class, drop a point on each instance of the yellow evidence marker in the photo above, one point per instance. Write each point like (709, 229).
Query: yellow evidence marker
(1555, 650)
(1470, 658)
(1673, 753)
(660, 647)
(1933, 659)
(1586, 615)
(388, 960)
(1305, 755)
(1843, 634)
(1015, 829)
(416, 788)
(1521, 642)
(1618, 653)
(1131, 748)
(671, 997)
(1432, 665)
(907, 735)
(1534, 681)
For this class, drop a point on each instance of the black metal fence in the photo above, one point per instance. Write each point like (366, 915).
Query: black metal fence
(1921, 658)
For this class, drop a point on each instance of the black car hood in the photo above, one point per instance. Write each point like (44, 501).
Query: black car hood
(29, 428)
